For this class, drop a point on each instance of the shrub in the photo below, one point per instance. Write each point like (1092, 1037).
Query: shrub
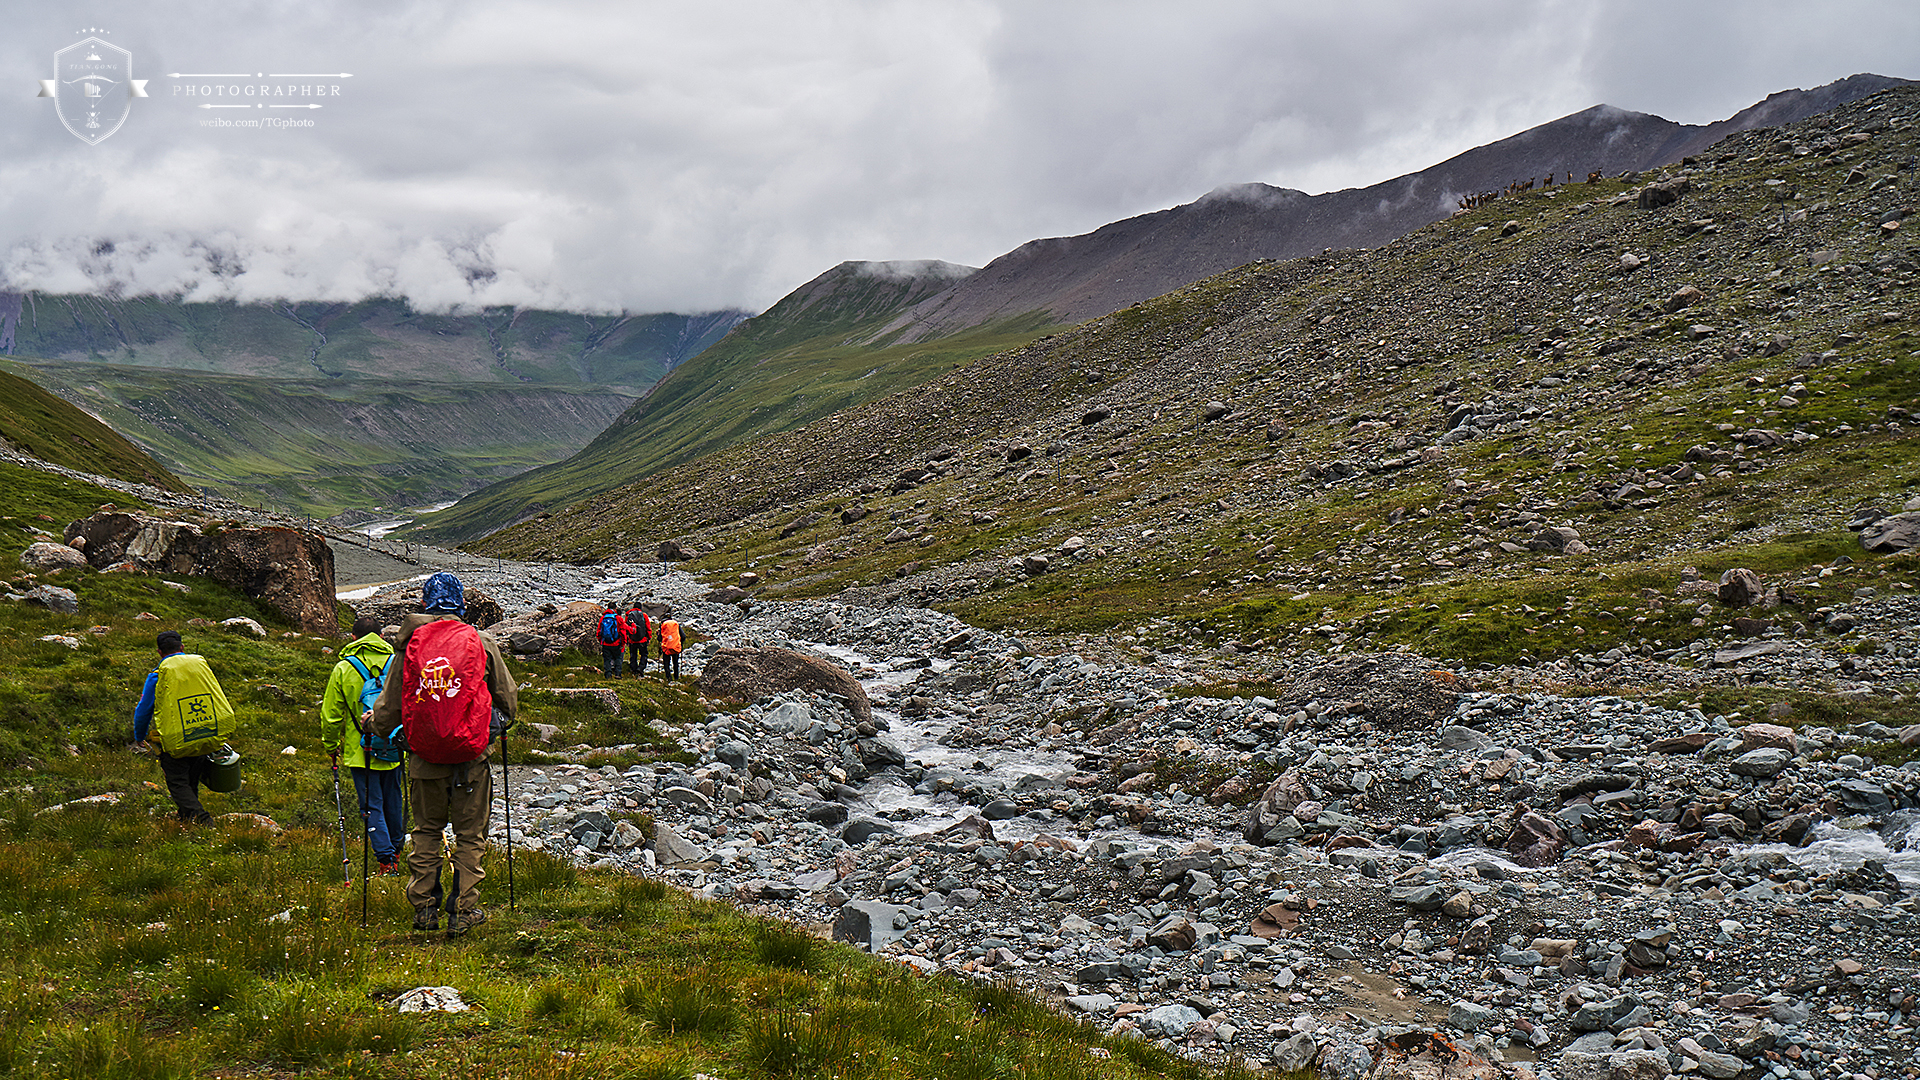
(784, 946)
(697, 1001)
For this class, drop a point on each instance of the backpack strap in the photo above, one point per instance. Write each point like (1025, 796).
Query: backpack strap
(365, 672)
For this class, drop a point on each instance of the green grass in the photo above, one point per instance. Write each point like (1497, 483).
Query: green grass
(308, 445)
(134, 946)
(54, 431)
(745, 387)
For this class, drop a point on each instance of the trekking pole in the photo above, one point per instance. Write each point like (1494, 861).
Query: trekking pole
(506, 795)
(366, 831)
(346, 868)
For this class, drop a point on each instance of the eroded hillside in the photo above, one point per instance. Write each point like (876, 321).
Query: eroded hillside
(1709, 366)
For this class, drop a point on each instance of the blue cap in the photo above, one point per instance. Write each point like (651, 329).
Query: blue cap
(443, 593)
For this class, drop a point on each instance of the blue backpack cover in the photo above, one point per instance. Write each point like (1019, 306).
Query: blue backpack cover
(610, 629)
(388, 746)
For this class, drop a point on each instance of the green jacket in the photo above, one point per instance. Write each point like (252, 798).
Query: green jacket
(340, 706)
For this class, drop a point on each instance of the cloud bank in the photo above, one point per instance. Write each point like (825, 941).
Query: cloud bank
(600, 156)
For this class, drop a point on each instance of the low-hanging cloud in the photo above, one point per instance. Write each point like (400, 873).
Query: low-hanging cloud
(598, 157)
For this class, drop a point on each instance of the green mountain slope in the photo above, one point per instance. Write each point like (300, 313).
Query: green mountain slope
(1709, 371)
(321, 446)
(41, 424)
(373, 339)
(807, 357)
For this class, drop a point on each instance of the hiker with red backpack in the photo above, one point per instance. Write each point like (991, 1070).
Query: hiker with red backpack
(639, 634)
(453, 696)
(611, 633)
(372, 761)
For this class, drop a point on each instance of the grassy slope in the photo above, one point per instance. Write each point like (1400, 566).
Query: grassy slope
(774, 373)
(133, 947)
(1365, 357)
(42, 424)
(321, 446)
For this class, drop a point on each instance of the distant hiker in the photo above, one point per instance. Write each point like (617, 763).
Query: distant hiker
(185, 715)
(452, 680)
(670, 649)
(639, 634)
(612, 636)
(374, 763)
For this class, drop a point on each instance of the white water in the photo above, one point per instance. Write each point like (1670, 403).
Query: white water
(1894, 843)
(374, 530)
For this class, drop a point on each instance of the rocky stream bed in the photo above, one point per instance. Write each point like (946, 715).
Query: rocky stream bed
(1381, 868)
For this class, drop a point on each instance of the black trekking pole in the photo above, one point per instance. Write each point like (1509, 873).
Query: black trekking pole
(346, 868)
(366, 840)
(506, 797)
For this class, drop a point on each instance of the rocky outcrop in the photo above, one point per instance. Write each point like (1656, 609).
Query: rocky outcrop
(1396, 692)
(290, 570)
(748, 674)
(388, 607)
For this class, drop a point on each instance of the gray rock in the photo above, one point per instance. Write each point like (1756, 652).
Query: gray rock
(1740, 588)
(672, 849)
(733, 752)
(1764, 763)
(870, 924)
(1623, 1065)
(1345, 1059)
(1897, 532)
(45, 556)
(1469, 1016)
(688, 797)
(1296, 1054)
(1601, 1015)
(53, 598)
(1170, 1021)
(860, 831)
(1091, 1003)
(1457, 737)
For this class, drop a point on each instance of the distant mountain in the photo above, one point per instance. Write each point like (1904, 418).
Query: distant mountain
(1070, 279)
(372, 339)
(318, 408)
(815, 352)
(318, 446)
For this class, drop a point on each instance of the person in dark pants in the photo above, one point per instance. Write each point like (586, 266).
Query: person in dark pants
(639, 635)
(184, 714)
(375, 779)
(611, 633)
(670, 649)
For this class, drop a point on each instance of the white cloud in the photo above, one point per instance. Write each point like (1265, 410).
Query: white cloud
(650, 156)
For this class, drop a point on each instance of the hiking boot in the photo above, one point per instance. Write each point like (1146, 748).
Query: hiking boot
(388, 868)
(464, 921)
(426, 918)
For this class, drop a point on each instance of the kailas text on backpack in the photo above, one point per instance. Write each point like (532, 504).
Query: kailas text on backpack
(445, 706)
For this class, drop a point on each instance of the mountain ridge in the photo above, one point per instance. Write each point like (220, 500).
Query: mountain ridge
(1073, 278)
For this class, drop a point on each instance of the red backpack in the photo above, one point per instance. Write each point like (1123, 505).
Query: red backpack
(445, 705)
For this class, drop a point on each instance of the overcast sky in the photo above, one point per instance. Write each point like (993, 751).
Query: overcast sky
(691, 156)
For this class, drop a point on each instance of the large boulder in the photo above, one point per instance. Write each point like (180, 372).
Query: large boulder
(45, 556)
(1394, 691)
(290, 570)
(390, 605)
(543, 635)
(1896, 532)
(748, 674)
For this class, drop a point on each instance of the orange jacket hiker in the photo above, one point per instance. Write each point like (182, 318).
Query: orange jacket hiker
(669, 638)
